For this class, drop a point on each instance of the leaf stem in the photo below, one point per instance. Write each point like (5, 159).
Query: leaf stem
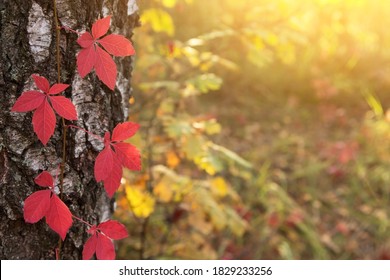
(70, 29)
(86, 131)
(81, 220)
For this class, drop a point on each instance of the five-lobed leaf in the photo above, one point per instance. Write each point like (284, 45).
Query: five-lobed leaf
(44, 120)
(109, 162)
(100, 243)
(92, 56)
(47, 204)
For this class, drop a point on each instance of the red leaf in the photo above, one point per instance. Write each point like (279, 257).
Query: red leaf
(44, 179)
(28, 101)
(104, 163)
(100, 27)
(124, 131)
(105, 68)
(57, 88)
(113, 229)
(89, 247)
(92, 230)
(44, 122)
(42, 83)
(59, 218)
(36, 206)
(64, 107)
(117, 45)
(128, 155)
(86, 60)
(86, 40)
(104, 248)
(113, 180)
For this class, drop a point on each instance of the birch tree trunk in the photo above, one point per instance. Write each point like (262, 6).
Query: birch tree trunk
(28, 46)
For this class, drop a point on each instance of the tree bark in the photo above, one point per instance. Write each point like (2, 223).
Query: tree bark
(28, 46)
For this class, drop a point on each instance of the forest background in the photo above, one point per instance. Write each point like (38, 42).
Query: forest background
(264, 131)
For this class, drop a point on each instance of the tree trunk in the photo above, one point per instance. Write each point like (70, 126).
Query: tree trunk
(28, 46)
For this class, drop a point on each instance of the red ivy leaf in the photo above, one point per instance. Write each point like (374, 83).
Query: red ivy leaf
(59, 218)
(44, 179)
(112, 182)
(36, 206)
(117, 45)
(100, 242)
(92, 56)
(124, 131)
(129, 155)
(86, 61)
(57, 88)
(109, 163)
(42, 83)
(28, 101)
(113, 229)
(104, 163)
(64, 107)
(44, 122)
(86, 40)
(104, 248)
(100, 27)
(105, 68)
(90, 247)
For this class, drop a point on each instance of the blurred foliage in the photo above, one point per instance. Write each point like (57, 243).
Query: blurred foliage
(265, 131)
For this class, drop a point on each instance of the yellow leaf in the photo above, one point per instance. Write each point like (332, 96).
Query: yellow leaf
(163, 192)
(219, 186)
(169, 3)
(159, 20)
(172, 159)
(141, 203)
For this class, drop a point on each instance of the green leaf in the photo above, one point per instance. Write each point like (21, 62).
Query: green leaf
(202, 84)
(194, 146)
(235, 223)
(176, 127)
(231, 155)
(209, 163)
(169, 85)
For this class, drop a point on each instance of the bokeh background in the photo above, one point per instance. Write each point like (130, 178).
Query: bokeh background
(265, 131)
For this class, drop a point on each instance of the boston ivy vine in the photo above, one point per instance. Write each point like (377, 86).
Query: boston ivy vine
(47, 100)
